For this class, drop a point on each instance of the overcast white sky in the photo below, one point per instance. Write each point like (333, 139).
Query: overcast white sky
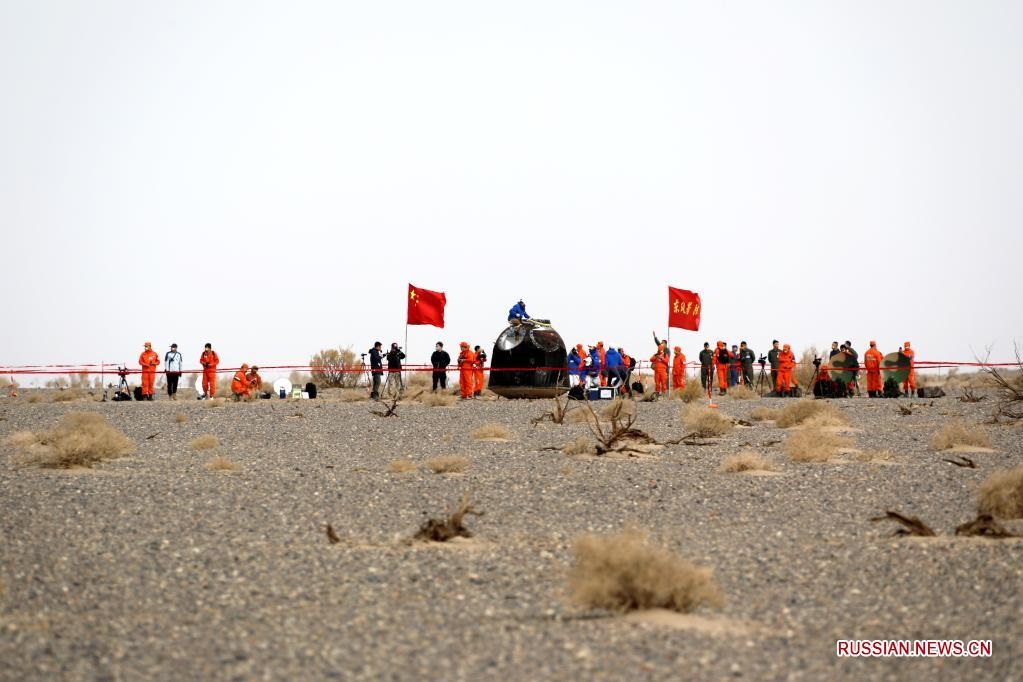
(270, 176)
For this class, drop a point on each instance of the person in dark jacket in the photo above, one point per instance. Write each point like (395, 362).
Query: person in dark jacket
(376, 364)
(440, 361)
(615, 368)
(575, 361)
(854, 385)
(593, 371)
(746, 359)
(706, 359)
(395, 385)
(518, 312)
(772, 358)
(734, 371)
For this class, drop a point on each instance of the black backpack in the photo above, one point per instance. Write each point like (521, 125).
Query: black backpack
(891, 389)
(310, 388)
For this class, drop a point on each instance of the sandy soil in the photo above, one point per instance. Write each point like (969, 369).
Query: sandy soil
(152, 567)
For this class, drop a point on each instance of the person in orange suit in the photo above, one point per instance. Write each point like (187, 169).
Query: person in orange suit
(872, 362)
(478, 379)
(659, 361)
(602, 354)
(627, 364)
(255, 381)
(909, 385)
(723, 358)
(149, 361)
(786, 363)
(678, 370)
(209, 361)
(240, 385)
(466, 369)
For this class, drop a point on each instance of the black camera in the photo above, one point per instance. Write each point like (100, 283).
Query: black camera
(816, 362)
(762, 360)
(122, 372)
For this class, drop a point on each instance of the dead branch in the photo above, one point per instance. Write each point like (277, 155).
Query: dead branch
(389, 411)
(911, 524)
(903, 410)
(556, 414)
(984, 526)
(961, 462)
(969, 396)
(442, 530)
(332, 536)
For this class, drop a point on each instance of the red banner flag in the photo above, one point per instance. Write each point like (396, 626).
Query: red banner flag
(683, 309)
(425, 306)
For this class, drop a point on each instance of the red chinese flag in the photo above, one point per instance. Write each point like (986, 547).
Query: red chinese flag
(425, 306)
(683, 309)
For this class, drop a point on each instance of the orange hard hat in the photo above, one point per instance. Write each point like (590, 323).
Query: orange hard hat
(906, 344)
(678, 349)
(787, 347)
(464, 344)
(873, 343)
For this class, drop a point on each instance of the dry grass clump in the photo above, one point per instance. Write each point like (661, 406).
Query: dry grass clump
(626, 571)
(447, 464)
(438, 399)
(34, 398)
(618, 408)
(206, 442)
(420, 380)
(215, 402)
(800, 411)
(401, 466)
(813, 445)
(180, 418)
(66, 396)
(875, 456)
(762, 413)
(705, 423)
(221, 463)
(957, 433)
(578, 416)
(353, 395)
(81, 439)
(580, 446)
(1001, 494)
(692, 391)
(492, 432)
(741, 392)
(746, 460)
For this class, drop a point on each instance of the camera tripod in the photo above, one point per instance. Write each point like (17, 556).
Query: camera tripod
(760, 378)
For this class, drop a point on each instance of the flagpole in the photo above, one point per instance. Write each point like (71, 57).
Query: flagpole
(668, 341)
(407, 356)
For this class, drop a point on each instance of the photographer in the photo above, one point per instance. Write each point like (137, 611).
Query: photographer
(440, 361)
(376, 364)
(172, 361)
(395, 386)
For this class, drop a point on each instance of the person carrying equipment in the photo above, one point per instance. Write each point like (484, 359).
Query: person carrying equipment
(240, 385)
(466, 361)
(678, 370)
(786, 363)
(909, 385)
(722, 359)
(209, 361)
(706, 363)
(746, 358)
(478, 379)
(149, 361)
(659, 362)
(872, 362)
(518, 313)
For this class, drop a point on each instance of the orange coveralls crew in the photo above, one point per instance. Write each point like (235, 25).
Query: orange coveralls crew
(602, 354)
(872, 362)
(466, 363)
(209, 361)
(255, 381)
(786, 363)
(678, 370)
(149, 361)
(909, 385)
(240, 385)
(723, 360)
(659, 361)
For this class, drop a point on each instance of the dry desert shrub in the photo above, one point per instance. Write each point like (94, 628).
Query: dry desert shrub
(492, 432)
(442, 530)
(438, 399)
(741, 392)
(66, 396)
(221, 463)
(580, 446)
(215, 402)
(746, 460)
(804, 369)
(824, 414)
(957, 433)
(34, 398)
(618, 409)
(401, 466)
(81, 439)
(626, 571)
(1001, 494)
(692, 391)
(761, 413)
(353, 395)
(813, 445)
(447, 464)
(578, 416)
(420, 380)
(878, 456)
(180, 418)
(207, 442)
(705, 422)
(335, 368)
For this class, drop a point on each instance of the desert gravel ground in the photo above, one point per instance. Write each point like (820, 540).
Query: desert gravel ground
(152, 567)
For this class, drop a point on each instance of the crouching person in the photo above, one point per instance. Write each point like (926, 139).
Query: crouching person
(241, 387)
